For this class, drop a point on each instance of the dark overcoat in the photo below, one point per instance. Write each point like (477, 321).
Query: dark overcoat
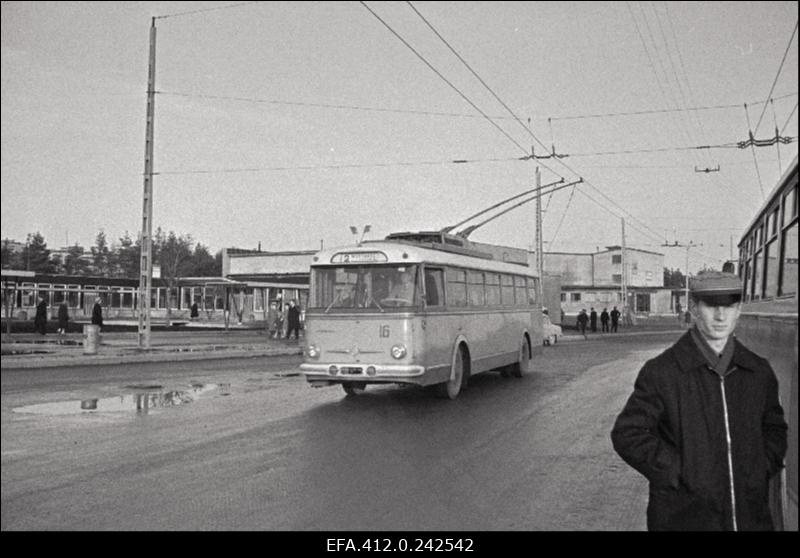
(97, 315)
(687, 429)
(293, 317)
(63, 317)
(40, 321)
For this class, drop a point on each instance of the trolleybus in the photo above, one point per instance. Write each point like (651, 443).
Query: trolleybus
(768, 259)
(418, 308)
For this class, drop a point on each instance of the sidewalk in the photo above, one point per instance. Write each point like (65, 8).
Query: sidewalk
(37, 351)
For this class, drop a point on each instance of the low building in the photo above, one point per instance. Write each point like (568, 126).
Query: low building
(595, 280)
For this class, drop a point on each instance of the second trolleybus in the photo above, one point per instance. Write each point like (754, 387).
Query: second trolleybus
(768, 266)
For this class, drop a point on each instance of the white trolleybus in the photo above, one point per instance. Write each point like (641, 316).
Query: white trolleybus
(418, 308)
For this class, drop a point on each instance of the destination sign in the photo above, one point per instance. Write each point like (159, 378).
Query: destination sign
(359, 257)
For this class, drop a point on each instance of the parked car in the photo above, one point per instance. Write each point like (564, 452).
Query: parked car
(551, 332)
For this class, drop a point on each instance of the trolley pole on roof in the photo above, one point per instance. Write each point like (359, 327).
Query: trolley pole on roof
(146, 261)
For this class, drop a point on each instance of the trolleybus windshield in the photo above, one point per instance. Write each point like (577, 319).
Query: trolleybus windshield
(375, 287)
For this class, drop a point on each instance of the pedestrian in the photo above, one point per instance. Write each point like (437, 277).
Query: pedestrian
(63, 318)
(687, 318)
(272, 319)
(627, 316)
(593, 319)
(293, 319)
(704, 423)
(679, 311)
(604, 320)
(40, 321)
(614, 319)
(278, 322)
(97, 312)
(194, 313)
(582, 319)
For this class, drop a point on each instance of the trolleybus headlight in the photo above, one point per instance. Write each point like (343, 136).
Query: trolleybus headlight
(398, 351)
(333, 370)
(313, 351)
(371, 371)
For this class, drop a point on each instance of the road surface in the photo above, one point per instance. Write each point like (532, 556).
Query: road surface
(246, 444)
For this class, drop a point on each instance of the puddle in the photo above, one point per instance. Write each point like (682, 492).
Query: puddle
(141, 403)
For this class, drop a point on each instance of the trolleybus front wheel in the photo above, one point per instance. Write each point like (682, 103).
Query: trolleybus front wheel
(452, 387)
(354, 388)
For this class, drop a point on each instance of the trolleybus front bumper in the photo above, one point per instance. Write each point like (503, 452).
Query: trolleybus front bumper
(334, 373)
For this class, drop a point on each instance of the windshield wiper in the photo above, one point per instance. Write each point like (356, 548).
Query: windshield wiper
(335, 300)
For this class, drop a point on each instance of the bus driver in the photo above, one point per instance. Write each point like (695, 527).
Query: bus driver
(403, 290)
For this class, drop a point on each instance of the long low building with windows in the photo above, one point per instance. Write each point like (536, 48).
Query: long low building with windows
(252, 279)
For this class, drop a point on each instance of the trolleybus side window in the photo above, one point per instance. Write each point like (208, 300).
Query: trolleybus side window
(434, 287)
(456, 287)
(507, 290)
(492, 289)
(771, 261)
(475, 288)
(520, 290)
(789, 279)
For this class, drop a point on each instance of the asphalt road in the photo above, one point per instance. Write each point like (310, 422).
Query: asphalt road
(246, 444)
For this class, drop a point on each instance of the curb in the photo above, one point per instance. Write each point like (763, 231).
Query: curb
(32, 362)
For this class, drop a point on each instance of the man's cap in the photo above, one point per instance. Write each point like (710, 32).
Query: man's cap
(716, 287)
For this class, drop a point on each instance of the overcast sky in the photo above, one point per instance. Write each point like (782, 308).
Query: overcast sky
(284, 123)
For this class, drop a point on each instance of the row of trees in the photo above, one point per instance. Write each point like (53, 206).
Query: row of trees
(177, 255)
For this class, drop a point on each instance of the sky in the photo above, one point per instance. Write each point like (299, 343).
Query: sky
(283, 124)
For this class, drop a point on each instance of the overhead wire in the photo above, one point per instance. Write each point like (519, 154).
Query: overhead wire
(340, 166)
(339, 106)
(682, 102)
(785, 124)
(438, 73)
(520, 122)
(775, 81)
(190, 12)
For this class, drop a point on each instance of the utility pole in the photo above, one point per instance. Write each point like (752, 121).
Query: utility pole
(539, 242)
(689, 245)
(146, 261)
(624, 280)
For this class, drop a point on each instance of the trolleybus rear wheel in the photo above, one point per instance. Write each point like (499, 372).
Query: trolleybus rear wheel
(354, 388)
(524, 362)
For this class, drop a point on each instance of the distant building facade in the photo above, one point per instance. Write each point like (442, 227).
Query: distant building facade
(595, 280)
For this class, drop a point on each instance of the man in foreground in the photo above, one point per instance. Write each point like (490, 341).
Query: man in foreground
(704, 424)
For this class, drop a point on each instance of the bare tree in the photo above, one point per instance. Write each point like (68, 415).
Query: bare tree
(175, 257)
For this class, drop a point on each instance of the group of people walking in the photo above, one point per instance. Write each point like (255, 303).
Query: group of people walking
(40, 320)
(605, 317)
(275, 320)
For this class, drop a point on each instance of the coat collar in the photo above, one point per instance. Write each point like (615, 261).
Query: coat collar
(690, 357)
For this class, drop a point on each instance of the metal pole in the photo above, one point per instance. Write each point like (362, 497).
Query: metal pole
(539, 242)
(146, 262)
(624, 278)
(689, 245)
